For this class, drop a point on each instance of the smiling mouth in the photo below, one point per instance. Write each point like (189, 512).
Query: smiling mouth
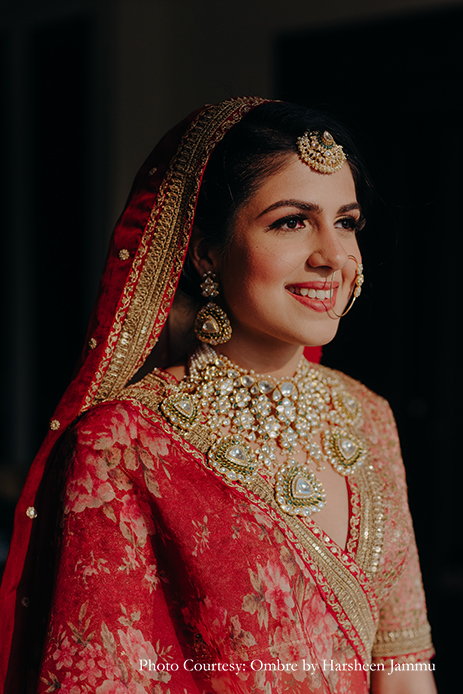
(319, 298)
(321, 294)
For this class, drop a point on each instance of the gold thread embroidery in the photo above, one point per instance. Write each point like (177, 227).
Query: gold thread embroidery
(346, 588)
(150, 287)
(352, 599)
(324, 561)
(368, 536)
(417, 657)
(371, 532)
(402, 642)
(355, 510)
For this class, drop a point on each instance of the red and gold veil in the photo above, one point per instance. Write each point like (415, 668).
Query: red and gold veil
(138, 285)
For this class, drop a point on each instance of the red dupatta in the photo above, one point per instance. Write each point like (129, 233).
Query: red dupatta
(146, 255)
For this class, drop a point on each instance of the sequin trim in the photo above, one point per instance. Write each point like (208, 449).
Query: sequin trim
(150, 288)
(396, 643)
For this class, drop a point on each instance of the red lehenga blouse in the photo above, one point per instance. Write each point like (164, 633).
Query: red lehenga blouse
(172, 580)
(166, 578)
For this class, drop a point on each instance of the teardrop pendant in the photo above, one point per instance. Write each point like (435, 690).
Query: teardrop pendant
(212, 325)
(298, 491)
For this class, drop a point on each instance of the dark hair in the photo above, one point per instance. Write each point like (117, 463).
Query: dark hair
(253, 149)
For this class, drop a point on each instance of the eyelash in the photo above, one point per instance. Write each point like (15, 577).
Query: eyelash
(280, 223)
(356, 225)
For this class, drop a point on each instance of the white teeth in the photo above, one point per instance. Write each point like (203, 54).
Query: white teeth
(321, 294)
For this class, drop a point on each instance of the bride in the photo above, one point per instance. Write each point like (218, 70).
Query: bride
(233, 518)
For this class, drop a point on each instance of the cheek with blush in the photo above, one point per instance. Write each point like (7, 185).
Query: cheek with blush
(253, 273)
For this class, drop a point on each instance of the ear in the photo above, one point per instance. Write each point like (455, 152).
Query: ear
(204, 257)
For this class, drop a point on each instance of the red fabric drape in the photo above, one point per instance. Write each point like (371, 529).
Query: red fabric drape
(28, 568)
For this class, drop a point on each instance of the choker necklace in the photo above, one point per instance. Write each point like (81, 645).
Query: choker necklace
(258, 422)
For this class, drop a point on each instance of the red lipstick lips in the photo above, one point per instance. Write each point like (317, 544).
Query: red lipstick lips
(315, 295)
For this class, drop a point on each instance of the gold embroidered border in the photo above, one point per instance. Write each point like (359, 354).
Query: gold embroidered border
(343, 585)
(411, 658)
(354, 521)
(150, 288)
(390, 644)
(371, 532)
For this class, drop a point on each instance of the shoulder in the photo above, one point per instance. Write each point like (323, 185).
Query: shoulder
(113, 427)
(378, 423)
(371, 402)
(107, 423)
(115, 418)
(111, 449)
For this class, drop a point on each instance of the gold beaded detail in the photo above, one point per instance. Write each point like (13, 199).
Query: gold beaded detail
(92, 343)
(297, 490)
(55, 424)
(209, 286)
(319, 151)
(31, 513)
(212, 325)
(359, 280)
(124, 254)
(258, 421)
(233, 457)
(345, 450)
(180, 409)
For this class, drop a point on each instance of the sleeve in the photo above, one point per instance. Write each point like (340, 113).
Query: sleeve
(110, 628)
(404, 632)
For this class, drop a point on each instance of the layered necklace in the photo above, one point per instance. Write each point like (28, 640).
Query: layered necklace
(260, 424)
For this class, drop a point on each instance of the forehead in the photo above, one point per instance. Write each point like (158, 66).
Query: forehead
(296, 180)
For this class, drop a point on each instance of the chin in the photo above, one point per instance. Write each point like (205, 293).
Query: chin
(319, 337)
(315, 337)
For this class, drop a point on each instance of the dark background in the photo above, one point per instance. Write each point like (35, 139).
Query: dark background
(397, 83)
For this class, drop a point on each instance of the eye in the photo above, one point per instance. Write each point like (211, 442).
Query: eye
(351, 224)
(291, 223)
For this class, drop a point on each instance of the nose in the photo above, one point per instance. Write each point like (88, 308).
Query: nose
(328, 251)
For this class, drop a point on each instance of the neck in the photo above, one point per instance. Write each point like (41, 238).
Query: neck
(278, 363)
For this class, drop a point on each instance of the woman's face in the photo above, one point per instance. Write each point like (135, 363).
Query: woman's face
(297, 229)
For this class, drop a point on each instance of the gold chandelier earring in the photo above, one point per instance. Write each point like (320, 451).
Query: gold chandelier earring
(359, 280)
(212, 324)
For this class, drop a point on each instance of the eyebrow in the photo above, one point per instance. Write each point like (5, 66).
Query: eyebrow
(308, 206)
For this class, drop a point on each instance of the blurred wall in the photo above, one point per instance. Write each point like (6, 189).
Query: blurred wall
(89, 87)
(172, 56)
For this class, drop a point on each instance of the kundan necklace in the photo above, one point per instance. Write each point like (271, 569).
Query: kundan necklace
(259, 421)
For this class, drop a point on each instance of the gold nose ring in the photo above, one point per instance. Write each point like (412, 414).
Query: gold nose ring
(359, 280)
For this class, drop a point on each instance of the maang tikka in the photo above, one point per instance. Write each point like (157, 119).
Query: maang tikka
(320, 151)
(212, 324)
